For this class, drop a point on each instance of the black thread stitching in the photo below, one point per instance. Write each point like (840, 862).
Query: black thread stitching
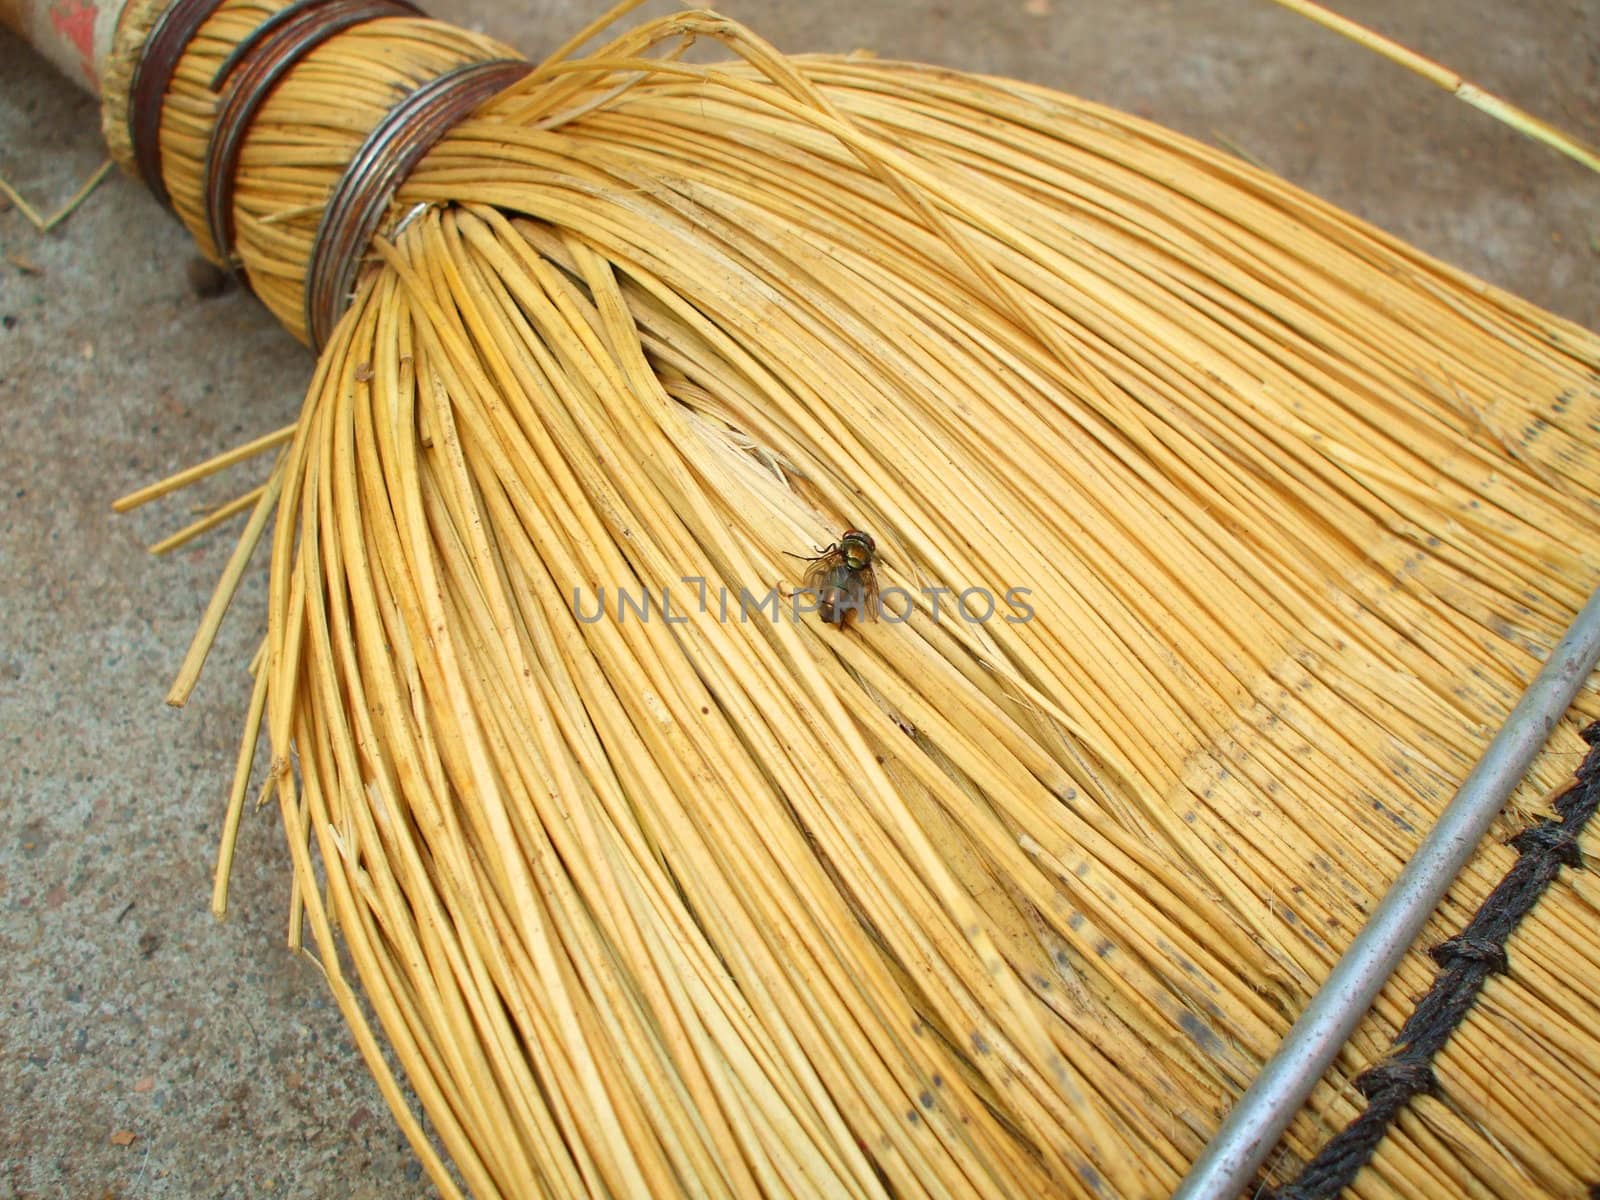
(1466, 961)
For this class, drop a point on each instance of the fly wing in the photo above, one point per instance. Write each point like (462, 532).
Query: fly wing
(869, 593)
(819, 574)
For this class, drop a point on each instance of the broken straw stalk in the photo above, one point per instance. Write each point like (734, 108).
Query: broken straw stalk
(1441, 76)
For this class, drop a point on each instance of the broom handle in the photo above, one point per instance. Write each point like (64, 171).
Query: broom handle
(1229, 1163)
(75, 35)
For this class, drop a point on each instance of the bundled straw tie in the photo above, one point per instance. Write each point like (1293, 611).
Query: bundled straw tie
(1215, 532)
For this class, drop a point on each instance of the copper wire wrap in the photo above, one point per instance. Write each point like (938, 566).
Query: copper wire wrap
(253, 71)
(257, 66)
(358, 204)
(152, 77)
(216, 118)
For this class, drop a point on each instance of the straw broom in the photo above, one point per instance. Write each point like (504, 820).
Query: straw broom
(935, 906)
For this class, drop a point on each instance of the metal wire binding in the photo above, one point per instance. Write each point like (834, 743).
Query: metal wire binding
(152, 76)
(361, 199)
(256, 66)
(282, 17)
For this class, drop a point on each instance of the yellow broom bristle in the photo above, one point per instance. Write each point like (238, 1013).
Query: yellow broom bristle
(1267, 516)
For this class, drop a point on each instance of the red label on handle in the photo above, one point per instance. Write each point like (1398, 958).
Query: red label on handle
(73, 34)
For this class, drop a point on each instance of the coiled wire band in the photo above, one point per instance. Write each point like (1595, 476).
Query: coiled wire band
(356, 210)
(152, 76)
(361, 199)
(256, 66)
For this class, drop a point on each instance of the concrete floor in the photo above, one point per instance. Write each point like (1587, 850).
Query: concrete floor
(126, 1007)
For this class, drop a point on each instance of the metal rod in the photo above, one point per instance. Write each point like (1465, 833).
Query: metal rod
(1229, 1163)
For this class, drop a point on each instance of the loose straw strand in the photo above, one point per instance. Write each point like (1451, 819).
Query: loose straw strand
(1501, 110)
(45, 224)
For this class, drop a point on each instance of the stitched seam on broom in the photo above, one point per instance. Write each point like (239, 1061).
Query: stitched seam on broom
(1466, 961)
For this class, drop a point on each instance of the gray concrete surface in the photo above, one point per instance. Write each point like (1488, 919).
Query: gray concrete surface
(126, 1008)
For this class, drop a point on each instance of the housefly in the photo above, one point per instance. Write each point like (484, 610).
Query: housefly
(842, 578)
